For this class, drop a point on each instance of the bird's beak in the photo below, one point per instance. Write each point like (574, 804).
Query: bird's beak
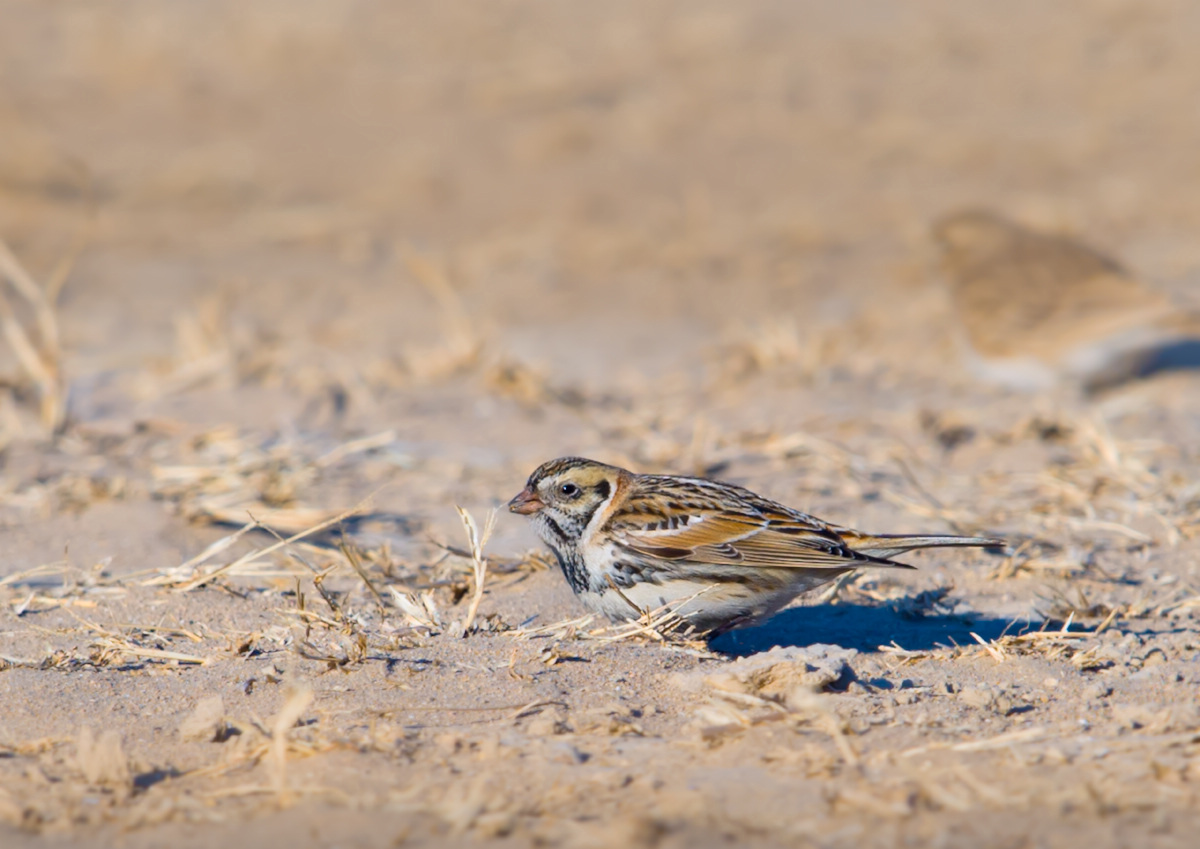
(525, 502)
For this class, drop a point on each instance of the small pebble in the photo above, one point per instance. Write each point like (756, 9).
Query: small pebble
(976, 697)
(565, 753)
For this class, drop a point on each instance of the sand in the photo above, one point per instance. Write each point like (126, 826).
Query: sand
(359, 264)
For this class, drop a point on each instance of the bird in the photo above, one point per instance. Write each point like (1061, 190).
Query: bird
(1042, 312)
(721, 555)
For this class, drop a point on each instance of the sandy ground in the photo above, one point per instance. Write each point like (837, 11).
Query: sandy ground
(317, 253)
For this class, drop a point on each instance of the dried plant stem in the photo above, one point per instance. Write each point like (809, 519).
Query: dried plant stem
(189, 567)
(128, 648)
(287, 717)
(62, 271)
(476, 541)
(282, 543)
(351, 555)
(319, 575)
(25, 285)
(663, 624)
(40, 361)
(36, 571)
(355, 446)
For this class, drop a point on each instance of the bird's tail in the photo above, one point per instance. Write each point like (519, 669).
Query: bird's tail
(889, 545)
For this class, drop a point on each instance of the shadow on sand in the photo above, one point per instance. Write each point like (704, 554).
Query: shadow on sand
(862, 627)
(1176, 356)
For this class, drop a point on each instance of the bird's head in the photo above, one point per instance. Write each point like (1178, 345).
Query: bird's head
(563, 495)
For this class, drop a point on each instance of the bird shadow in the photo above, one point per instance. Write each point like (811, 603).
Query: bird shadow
(1183, 354)
(1141, 363)
(860, 626)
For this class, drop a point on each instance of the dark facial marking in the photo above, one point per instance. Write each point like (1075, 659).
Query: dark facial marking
(603, 490)
(555, 529)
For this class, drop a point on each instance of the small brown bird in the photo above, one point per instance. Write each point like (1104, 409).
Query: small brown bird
(630, 543)
(1041, 311)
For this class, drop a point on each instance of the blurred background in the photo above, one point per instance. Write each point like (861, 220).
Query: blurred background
(313, 204)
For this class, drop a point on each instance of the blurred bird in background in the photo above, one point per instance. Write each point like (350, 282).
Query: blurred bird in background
(1041, 311)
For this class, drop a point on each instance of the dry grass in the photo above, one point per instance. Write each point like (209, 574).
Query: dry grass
(663, 625)
(476, 540)
(38, 349)
(349, 609)
(184, 577)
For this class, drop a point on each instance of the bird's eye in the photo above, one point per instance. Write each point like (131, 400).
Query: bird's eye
(569, 490)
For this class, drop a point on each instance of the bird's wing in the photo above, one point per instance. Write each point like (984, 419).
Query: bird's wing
(749, 538)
